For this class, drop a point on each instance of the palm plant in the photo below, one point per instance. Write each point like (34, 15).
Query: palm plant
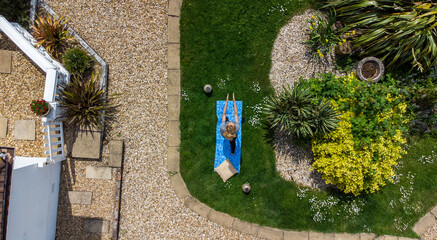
(52, 33)
(297, 111)
(399, 32)
(85, 103)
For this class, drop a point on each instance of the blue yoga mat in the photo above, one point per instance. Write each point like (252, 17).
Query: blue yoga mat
(223, 145)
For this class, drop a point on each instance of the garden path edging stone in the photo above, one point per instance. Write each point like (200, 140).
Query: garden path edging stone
(173, 158)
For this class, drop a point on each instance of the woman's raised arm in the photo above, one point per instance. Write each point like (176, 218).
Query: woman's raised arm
(224, 109)
(235, 109)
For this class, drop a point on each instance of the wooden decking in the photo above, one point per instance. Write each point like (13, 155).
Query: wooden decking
(5, 185)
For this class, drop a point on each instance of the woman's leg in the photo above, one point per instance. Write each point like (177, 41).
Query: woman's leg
(233, 146)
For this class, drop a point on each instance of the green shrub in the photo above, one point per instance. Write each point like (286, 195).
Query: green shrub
(16, 11)
(356, 169)
(85, 103)
(360, 154)
(372, 104)
(77, 61)
(401, 32)
(297, 111)
(52, 34)
(322, 37)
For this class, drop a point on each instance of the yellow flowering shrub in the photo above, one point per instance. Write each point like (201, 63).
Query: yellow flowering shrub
(351, 169)
(360, 154)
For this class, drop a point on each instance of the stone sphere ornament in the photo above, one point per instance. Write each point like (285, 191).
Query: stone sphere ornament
(207, 88)
(246, 188)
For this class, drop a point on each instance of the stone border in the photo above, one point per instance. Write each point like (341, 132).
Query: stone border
(173, 158)
(427, 221)
(103, 64)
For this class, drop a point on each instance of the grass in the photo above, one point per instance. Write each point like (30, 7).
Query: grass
(228, 45)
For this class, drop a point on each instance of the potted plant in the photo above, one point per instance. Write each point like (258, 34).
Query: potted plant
(370, 69)
(40, 107)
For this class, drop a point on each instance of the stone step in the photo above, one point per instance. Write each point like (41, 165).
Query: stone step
(87, 145)
(79, 197)
(24, 130)
(115, 153)
(5, 61)
(99, 172)
(96, 225)
(3, 127)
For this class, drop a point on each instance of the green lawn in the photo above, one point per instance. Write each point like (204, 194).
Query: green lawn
(228, 44)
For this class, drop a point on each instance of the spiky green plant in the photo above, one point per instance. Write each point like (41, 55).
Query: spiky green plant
(399, 32)
(297, 111)
(85, 103)
(52, 33)
(322, 36)
(77, 61)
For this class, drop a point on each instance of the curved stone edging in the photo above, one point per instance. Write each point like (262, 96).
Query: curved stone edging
(173, 160)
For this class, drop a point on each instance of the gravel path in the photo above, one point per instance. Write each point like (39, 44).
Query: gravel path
(131, 36)
(15, 105)
(291, 60)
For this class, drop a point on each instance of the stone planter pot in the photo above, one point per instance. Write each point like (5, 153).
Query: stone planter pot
(48, 111)
(370, 69)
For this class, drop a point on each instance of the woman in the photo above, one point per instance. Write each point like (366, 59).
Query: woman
(229, 129)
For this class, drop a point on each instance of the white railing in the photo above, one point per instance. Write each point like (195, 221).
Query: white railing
(55, 73)
(54, 141)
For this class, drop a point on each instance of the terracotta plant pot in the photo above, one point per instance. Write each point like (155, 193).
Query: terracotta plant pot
(370, 69)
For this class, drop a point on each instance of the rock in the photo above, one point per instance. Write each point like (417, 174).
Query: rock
(419, 126)
(434, 126)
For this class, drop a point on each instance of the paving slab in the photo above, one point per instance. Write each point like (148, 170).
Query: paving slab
(221, 218)
(173, 158)
(5, 61)
(321, 236)
(296, 235)
(245, 227)
(179, 186)
(367, 236)
(174, 7)
(174, 134)
(434, 211)
(79, 197)
(24, 129)
(174, 82)
(424, 223)
(387, 237)
(346, 236)
(115, 153)
(3, 127)
(270, 233)
(174, 106)
(173, 29)
(173, 56)
(96, 225)
(87, 145)
(99, 172)
(197, 206)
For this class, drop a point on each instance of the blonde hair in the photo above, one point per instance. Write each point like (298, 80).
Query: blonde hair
(230, 132)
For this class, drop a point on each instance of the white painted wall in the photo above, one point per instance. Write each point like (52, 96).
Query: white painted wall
(33, 200)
